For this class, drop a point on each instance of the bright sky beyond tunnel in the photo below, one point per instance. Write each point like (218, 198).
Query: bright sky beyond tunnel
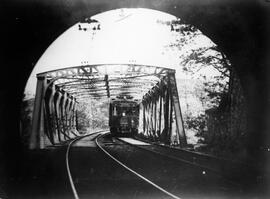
(125, 36)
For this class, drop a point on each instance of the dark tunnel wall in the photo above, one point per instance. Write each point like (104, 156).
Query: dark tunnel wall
(240, 29)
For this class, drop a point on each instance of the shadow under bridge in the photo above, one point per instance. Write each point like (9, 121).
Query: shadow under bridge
(59, 91)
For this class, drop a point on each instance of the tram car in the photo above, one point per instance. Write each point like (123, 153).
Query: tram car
(123, 117)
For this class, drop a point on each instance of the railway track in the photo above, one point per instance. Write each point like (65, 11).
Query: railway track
(96, 136)
(136, 173)
(141, 168)
(163, 151)
(213, 163)
(93, 136)
(169, 163)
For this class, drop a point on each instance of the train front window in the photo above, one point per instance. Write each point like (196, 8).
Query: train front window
(119, 111)
(124, 111)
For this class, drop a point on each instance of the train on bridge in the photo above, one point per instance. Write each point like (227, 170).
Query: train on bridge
(123, 117)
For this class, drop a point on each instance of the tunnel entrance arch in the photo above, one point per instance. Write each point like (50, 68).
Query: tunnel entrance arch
(82, 27)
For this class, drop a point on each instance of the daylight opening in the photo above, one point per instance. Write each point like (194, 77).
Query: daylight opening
(208, 88)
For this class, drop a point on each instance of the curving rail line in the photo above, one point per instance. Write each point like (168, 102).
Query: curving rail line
(134, 172)
(99, 134)
(67, 160)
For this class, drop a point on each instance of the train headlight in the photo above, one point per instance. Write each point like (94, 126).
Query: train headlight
(132, 123)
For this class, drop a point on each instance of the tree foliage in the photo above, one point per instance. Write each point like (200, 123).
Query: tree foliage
(92, 114)
(26, 120)
(222, 124)
(200, 59)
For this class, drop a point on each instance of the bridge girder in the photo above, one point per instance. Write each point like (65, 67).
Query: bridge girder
(162, 118)
(59, 91)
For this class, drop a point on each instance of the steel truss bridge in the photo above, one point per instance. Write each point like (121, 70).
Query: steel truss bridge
(59, 91)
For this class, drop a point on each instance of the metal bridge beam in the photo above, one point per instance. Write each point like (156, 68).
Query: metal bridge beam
(166, 115)
(162, 118)
(49, 116)
(37, 134)
(53, 115)
(177, 109)
(107, 85)
(57, 115)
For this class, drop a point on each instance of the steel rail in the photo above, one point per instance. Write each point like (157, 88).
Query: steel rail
(197, 154)
(135, 173)
(182, 160)
(74, 191)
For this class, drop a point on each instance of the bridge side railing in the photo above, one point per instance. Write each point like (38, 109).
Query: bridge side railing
(54, 115)
(162, 119)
